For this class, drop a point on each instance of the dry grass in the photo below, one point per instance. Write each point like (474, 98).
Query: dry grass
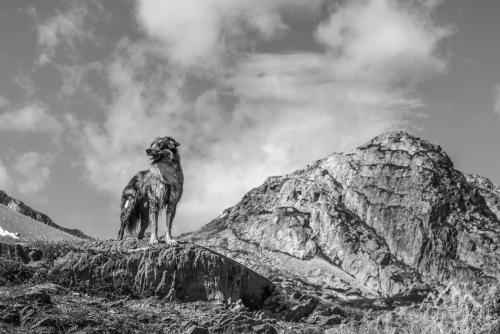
(52, 250)
(456, 309)
(12, 272)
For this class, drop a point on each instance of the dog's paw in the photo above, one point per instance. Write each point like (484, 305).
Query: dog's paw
(154, 242)
(171, 242)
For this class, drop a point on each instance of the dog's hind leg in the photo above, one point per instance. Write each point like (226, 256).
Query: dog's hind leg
(140, 236)
(127, 216)
(121, 231)
(144, 221)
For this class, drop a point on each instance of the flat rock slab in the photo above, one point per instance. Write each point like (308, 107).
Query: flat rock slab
(184, 272)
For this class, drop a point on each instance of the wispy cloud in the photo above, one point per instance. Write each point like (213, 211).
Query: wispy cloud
(63, 30)
(496, 106)
(5, 180)
(256, 114)
(31, 118)
(3, 102)
(32, 170)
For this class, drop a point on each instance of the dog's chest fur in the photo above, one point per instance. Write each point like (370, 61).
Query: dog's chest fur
(163, 183)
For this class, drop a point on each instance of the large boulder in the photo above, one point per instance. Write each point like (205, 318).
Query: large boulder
(185, 272)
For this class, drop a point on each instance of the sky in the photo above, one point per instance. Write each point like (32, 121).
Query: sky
(249, 88)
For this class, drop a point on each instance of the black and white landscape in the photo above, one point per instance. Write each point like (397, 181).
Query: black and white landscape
(331, 166)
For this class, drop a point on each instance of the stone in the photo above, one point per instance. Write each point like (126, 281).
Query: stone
(197, 330)
(298, 312)
(332, 321)
(45, 322)
(264, 329)
(39, 293)
(381, 303)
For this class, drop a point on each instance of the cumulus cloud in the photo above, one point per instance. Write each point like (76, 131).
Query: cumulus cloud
(204, 32)
(363, 82)
(32, 171)
(30, 118)
(260, 113)
(383, 40)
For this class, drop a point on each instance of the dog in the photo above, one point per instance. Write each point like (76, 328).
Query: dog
(150, 191)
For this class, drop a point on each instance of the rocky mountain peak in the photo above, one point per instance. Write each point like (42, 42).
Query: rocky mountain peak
(388, 216)
(401, 146)
(402, 140)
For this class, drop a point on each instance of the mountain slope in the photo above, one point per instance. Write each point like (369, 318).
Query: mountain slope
(380, 220)
(16, 227)
(8, 202)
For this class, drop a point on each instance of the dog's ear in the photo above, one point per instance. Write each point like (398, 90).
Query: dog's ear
(173, 141)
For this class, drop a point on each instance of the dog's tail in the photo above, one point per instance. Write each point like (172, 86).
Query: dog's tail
(130, 213)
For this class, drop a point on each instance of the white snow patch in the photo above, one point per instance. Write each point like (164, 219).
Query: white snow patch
(4, 233)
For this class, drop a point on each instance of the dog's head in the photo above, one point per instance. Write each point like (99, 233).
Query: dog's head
(163, 148)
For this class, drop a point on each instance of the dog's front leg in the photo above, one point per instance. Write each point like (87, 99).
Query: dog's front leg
(153, 222)
(170, 218)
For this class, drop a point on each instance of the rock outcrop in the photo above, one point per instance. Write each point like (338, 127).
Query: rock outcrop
(185, 272)
(20, 207)
(389, 215)
(487, 189)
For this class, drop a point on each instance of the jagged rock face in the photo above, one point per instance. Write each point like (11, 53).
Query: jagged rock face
(185, 272)
(391, 213)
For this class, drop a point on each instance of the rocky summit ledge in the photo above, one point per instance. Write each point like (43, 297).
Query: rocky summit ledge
(184, 272)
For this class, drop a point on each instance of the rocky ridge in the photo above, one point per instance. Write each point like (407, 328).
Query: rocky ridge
(107, 286)
(185, 272)
(391, 216)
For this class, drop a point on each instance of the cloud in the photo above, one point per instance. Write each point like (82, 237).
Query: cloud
(82, 81)
(5, 180)
(383, 40)
(3, 102)
(363, 83)
(259, 113)
(32, 171)
(204, 32)
(65, 29)
(31, 118)
(496, 107)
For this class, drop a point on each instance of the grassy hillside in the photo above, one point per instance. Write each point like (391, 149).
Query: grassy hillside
(27, 228)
